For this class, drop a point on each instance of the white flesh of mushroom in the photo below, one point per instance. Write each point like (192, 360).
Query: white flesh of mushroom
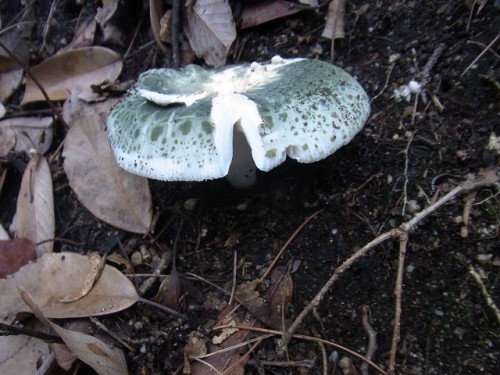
(196, 124)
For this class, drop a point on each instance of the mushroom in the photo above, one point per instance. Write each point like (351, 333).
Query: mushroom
(196, 124)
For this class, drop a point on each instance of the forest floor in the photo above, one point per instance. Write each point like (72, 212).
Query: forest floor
(409, 154)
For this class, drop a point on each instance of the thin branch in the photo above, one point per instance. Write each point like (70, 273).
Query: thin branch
(393, 233)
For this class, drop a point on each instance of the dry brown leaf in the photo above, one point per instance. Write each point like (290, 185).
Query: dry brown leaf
(14, 254)
(280, 292)
(7, 140)
(224, 360)
(108, 15)
(195, 347)
(21, 354)
(334, 28)
(104, 359)
(265, 11)
(10, 71)
(108, 191)
(35, 206)
(28, 132)
(55, 276)
(211, 30)
(81, 67)
(156, 12)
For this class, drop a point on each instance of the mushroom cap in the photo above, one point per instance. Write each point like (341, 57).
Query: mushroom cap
(178, 125)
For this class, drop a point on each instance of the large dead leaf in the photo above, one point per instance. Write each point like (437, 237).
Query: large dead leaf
(35, 205)
(14, 254)
(20, 354)
(108, 191)
(81, 67)
(10, 71)
(55, 276)
(104, 359)
(211, 30)
(28, 133)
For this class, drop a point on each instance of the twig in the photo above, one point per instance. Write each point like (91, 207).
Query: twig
(20, 330)
(285, 246)
(372, 337)
(489, 301)
(102, 327)
(161, 266)
(426, 71)
(235, 271)
(393, 233)
(405, 173)
(480, 55)
(56, 115)
(469, 200)
(398, 291)
(309, 338)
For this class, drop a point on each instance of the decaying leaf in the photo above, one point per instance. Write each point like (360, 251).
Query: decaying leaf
(20, 354)
(195, 347)
(55, 276)
(104, 359)
(264, 11)
(222, 358)
(35, 206)
(108, 191)
(81, 67)
(7, 140)
(96, 265)
(10, 71)
(211, 30)
(28, 132)
(14, 254)
(280, 291)
(334, 28)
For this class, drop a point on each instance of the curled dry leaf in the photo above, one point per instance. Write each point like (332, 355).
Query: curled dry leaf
(81, 67)
(35, 206)
(55, 276)
(104, 359)
(20, 354)
(211, 30)
(28, 132)
(108, 191)
(14, 254)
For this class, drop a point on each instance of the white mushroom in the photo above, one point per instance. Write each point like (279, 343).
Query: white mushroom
(197, 124)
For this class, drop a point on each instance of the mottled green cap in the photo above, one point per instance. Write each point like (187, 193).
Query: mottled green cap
(178, 125)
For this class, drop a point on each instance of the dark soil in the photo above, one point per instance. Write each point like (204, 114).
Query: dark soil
(363, 189)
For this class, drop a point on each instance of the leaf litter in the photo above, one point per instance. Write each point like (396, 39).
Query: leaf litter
(104, 359)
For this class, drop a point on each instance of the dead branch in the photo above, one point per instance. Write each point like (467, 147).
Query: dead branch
(393, 233)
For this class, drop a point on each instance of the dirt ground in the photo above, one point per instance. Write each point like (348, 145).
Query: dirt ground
(381, 179)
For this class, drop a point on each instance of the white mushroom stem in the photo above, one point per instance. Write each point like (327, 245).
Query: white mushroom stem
(242, 172)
